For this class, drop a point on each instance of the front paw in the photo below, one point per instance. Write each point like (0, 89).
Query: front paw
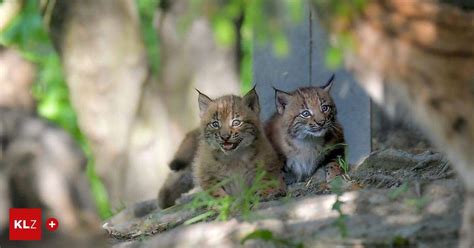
(219, 193)
(273, 192)
(289, 178)
(332, 170)
(278, 190)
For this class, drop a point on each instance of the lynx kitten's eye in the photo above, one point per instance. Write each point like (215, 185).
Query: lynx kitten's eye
(215, 124)
(325, 108)
(236, 123)
(305, 114)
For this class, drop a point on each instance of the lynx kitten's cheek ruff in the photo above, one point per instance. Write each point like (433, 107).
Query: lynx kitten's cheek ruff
(233, 148)
(305, 132)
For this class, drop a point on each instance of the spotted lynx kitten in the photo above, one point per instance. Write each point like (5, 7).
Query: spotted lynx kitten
(305, 132)
(233, 145)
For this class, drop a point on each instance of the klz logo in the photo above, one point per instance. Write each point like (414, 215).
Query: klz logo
(25, 224)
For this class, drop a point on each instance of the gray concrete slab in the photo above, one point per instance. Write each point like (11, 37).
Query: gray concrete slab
(285, 73)
(353, 104)
(305, 65)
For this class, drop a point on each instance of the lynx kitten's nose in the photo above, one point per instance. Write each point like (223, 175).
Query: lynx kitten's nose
(225, 137)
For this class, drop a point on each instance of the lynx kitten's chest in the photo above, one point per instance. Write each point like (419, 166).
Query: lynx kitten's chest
(305, 159)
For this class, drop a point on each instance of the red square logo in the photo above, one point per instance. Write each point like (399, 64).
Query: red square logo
(25, 224)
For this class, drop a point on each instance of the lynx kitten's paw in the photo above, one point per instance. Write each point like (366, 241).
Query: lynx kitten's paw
(332, 170)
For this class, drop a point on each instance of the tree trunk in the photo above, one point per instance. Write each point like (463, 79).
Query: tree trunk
(189, 59)
(105, 65)
(16, 77)
(8, 11)
(133, 121)
(420, 55)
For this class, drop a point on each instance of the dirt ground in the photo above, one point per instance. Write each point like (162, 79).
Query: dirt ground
(393, 199)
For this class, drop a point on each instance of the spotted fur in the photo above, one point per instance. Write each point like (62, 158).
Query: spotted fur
(233, 144)
(304, 131)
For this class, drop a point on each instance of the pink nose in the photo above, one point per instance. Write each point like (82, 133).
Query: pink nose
(321, 123)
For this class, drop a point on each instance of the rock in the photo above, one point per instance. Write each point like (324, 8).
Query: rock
(421, 212)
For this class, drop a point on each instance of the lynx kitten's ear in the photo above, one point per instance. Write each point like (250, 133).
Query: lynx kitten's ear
(251, 100)
(204, 102)
(281, 100)
(328, 85)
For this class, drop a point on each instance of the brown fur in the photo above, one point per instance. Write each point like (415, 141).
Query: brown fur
(184, 156)
(176, 184)
(180, 180)
(305, 143)
(214, 163)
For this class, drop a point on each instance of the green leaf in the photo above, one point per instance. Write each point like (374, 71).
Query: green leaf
(336, 185)
(224, 31)
(199, 218)
(262, 234)
(334, 57)
(147, 10)
(337, 205)
(418, 203)
(395, 193)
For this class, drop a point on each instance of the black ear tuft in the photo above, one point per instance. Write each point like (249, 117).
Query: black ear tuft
(204, 102)
(328, 85)
(251, 100)
(281, 100)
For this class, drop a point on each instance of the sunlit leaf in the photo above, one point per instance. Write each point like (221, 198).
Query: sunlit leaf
(224, 31)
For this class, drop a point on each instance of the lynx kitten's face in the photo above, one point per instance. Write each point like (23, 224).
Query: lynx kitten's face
(230, 122)
(308, 112)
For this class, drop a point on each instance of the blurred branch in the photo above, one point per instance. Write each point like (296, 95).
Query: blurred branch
(47, 7)
(8, 11)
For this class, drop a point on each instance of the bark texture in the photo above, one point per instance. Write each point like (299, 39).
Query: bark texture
(420, 55)
(16, 77)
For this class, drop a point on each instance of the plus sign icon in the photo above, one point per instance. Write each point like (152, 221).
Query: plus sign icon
(52, 224)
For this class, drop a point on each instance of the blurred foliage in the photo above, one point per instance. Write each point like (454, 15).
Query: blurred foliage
(395, 193)
(336, 186)
(27, 34)
(338, 16)
(147, 9)
(263, 21)
(268, 236)
(246, 71)
(418, 203)
(225, 207)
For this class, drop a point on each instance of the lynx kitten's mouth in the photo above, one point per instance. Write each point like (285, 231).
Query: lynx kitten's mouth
(316, 132)
(228, 146)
